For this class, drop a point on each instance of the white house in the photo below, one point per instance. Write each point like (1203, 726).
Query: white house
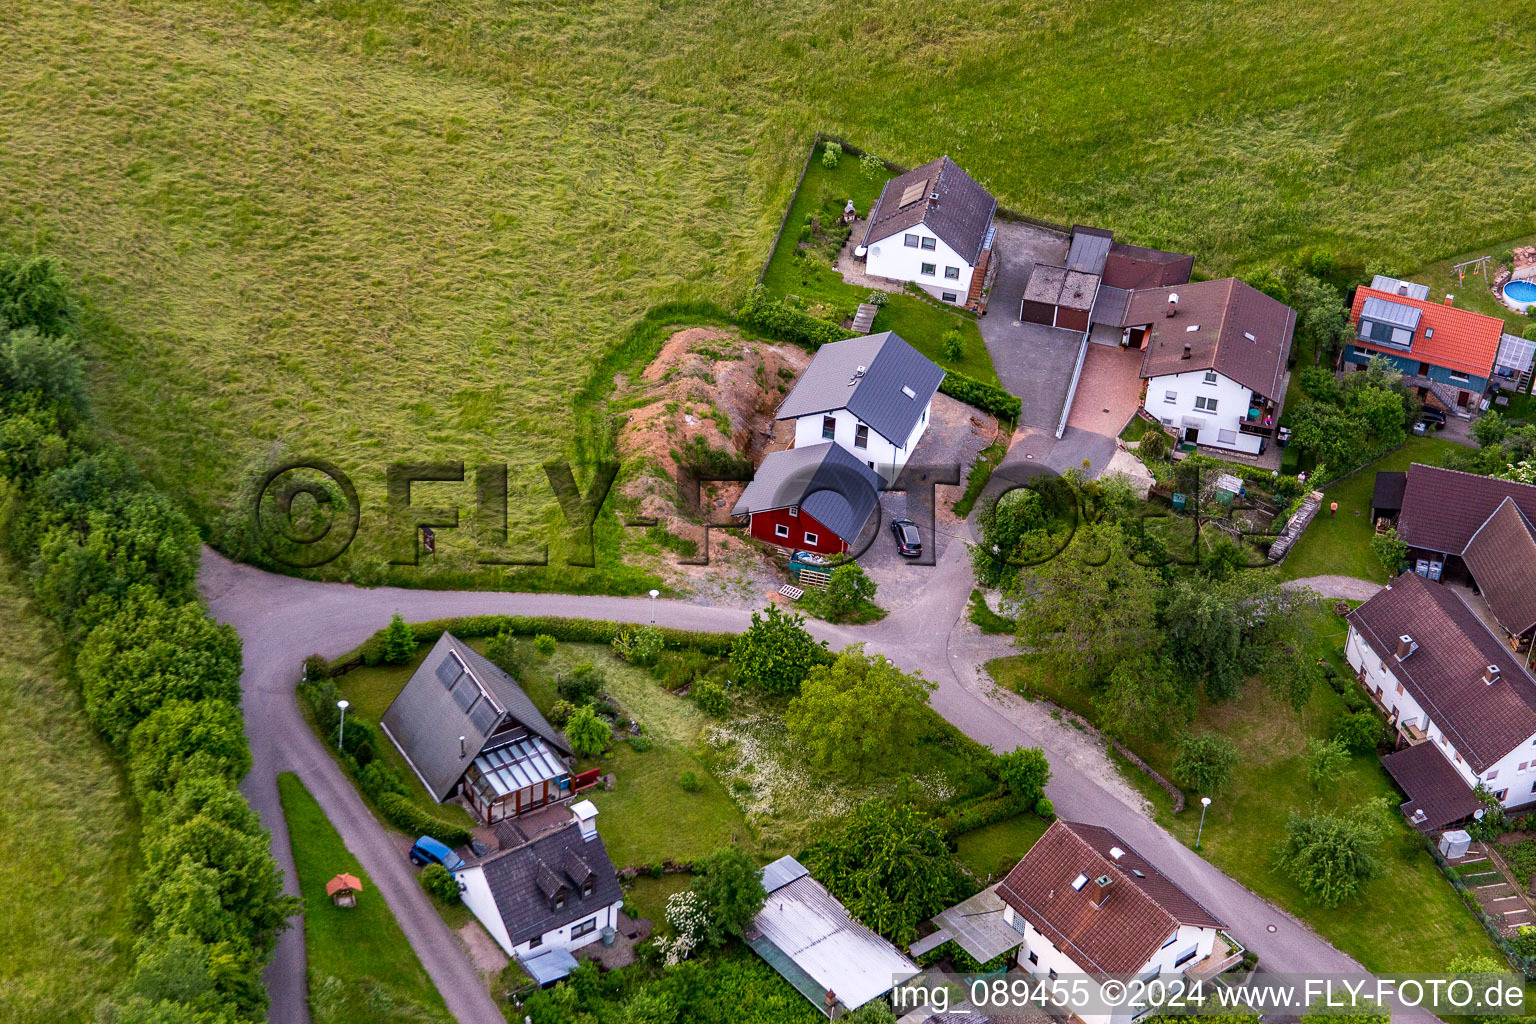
(1087, 904)
(871, 395)
(1451, 687)
(1215, 360)
(930, 226)
(555, 889)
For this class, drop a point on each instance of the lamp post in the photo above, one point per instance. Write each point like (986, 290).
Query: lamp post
(342, 732)
(654, 595)
(1205, 803)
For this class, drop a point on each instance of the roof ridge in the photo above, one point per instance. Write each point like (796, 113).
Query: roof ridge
(1426, 304)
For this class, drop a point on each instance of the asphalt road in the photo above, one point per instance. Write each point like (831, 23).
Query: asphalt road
(282, 619)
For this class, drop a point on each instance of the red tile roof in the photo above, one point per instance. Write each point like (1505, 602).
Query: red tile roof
(1142, 909)
(1463, 340)
(1445, 670)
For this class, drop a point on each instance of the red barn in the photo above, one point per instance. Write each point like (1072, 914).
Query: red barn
(816, 498)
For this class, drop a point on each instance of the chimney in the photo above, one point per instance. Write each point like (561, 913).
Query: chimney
(1173, 303)
(585, 813)
(1102, 896)
(462, 750)
(1402, 289)
(1450, 299)
(1405, 646)
(1490, 675)
(831, 999)
(1115, 853)
(1188, 350)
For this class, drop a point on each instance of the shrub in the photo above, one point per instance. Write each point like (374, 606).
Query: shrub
(778, 319)
(985, 397)
(439, 881)
(1025, 772)
(378, 778)
(1360, 731)
(501, 651)
(676, 669)
(316, 668)
(710, 697)
(1045, 809)
(567, 630)
(988, 810)
(581, 683)
(544, 644)
(1331, 856)
(831, 154)
(639, 646)
(1204, 763)
(1390, 549)
(589, 735)
(180, 737)
(701, 460)
(399, 641)
(871, 166)
(775, 653)
(560, 712)
(414, 821)
(639, 743)
(34, 293)
(689, 780)
(952, 346)
(1155, 444)
(848, 588)
(1327, 761)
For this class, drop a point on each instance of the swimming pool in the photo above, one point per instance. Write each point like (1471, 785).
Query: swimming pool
(1520, 295)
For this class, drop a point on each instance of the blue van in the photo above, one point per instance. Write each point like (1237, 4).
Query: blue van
(429, 851)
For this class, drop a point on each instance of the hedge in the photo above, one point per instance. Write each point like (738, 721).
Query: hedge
(986, 397)
(414, 821)
(778, 319)
(570, 630)
(989, 810)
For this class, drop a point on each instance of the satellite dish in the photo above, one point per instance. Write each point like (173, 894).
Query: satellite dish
(1478, 814)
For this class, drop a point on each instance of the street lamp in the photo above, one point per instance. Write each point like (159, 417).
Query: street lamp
(342, 732)
(1205, 803)
(654, 595)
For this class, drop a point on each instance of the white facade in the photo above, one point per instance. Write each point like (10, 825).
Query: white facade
(1512, 778)
(477, 897)
(1180, 398)
(900, 258)
(1186, 947)
(878, 452)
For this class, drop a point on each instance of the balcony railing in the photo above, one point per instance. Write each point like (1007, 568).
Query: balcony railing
(1256, 427)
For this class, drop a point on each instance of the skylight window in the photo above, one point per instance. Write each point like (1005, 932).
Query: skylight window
(1249, 336)
(1079, 882)
(1191, 329)
(909, 392)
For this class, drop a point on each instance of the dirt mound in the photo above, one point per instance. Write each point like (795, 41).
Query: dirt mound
(707, 386)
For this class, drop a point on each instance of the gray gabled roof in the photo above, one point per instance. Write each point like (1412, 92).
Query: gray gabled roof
(457, 692)
(1383, 283)
(949, 202)
(879, 395)
(825, 480)
(523, 879)
(1395, 313)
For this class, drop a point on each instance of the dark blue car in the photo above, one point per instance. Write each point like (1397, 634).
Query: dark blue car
(429, 851)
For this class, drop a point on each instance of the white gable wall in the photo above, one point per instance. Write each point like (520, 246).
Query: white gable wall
(1049, 958)
(477, 897)
(887, 458)
(891, 257)
(1232, 403)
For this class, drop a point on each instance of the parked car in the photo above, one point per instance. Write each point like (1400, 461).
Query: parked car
(1435, 416)
(429, 851)
(908, 541)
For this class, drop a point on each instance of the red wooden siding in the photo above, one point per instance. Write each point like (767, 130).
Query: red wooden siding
(827, 542)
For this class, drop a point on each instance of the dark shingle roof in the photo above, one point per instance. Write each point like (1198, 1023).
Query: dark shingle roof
(1133, 266)
(876, 396)
(1502, 559)
(1433, 786)
(1242, 333)
(1120, 935)
(960, 216)
(520, 878)
(1444, 673)
(1387, 496)
(825, 480)
(426, 719)
(1443, 508)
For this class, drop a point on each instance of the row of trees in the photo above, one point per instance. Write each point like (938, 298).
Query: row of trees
(114, 563)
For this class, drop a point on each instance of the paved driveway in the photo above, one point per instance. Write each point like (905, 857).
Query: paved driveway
(1108, 391)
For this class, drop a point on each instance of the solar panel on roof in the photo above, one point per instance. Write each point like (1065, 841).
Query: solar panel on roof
(912, 193)
(1395, 313)
(483, 715)
(449, 669)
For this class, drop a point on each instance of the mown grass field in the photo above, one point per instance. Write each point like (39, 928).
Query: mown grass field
(1411, 919)
(360, 964)
(380, 230)
(68, 848)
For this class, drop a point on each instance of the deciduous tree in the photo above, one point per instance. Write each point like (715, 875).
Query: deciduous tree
(775, 653)
(857, 712)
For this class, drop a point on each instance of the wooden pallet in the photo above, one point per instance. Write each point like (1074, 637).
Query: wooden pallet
(814, 577)
(864, 319)
(792, 592)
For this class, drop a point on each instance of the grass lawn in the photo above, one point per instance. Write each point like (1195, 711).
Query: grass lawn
(360, 964)
(69, 848)
(648, 896)
(404, 230)
(1342, 545)
(1409, 920)
(991, 852)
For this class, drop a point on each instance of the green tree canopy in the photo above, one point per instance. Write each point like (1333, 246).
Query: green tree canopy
(181, 736)
(776, 652)
(588, 735)
(731, 887)
(858, 712)
(1205, 763)
(1146, 696)
(1332, 856)
(1025, 771)
(399, 641)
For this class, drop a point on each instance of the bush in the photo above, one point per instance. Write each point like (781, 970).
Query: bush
(1025, 772)
(1204, 763)
(952, 346)
(414, 821)
(560, 712)
(588, 735)
(1390, 549)
(676, 669)
(689, 780)
(1155, 444)
(502, 652)
(640, 743)
(399, 641)
(988, 810)
(566, 630)
(316, 668)
(378, 778)
(639, 646)
(710, 697)
(775, 653)
(831, 153)
(985, 397)
(439, 881)
(544, 644)
(848, 589)
(1045, 809)
(778, 319)
(581, 684)
(871, 166)
(1359, 731)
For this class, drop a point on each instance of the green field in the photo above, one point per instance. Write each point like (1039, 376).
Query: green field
(360, 964)
(69, 845)
(1411, 919)
(372, 231)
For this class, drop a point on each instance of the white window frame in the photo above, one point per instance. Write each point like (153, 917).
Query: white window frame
(950, 297)
(1205, 404)
(861, 432)
(811, 538)
(1458, 377)
(828, 423)
(1210, 377)
(1226, 437)
(781, 530)
(794, 510)
(1170, 397)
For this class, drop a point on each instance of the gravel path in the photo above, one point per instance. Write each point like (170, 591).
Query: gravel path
(1342, 588)
(282, 619)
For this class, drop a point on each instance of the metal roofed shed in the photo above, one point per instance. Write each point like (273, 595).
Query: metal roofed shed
(810, 939)
(552, 965)
(1515, 355)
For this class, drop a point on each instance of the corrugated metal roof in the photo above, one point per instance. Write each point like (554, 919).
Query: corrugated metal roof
(1089, 250)
(1388, 312)
(1515, 353)
(1383, 283)
(781, 872)
(805, 923)
(825, 480)
(833, 381)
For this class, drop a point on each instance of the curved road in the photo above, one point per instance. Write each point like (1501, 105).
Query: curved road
(281, 620)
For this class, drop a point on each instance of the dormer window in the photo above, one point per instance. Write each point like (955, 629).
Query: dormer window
(586, 890)
(559, 900)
